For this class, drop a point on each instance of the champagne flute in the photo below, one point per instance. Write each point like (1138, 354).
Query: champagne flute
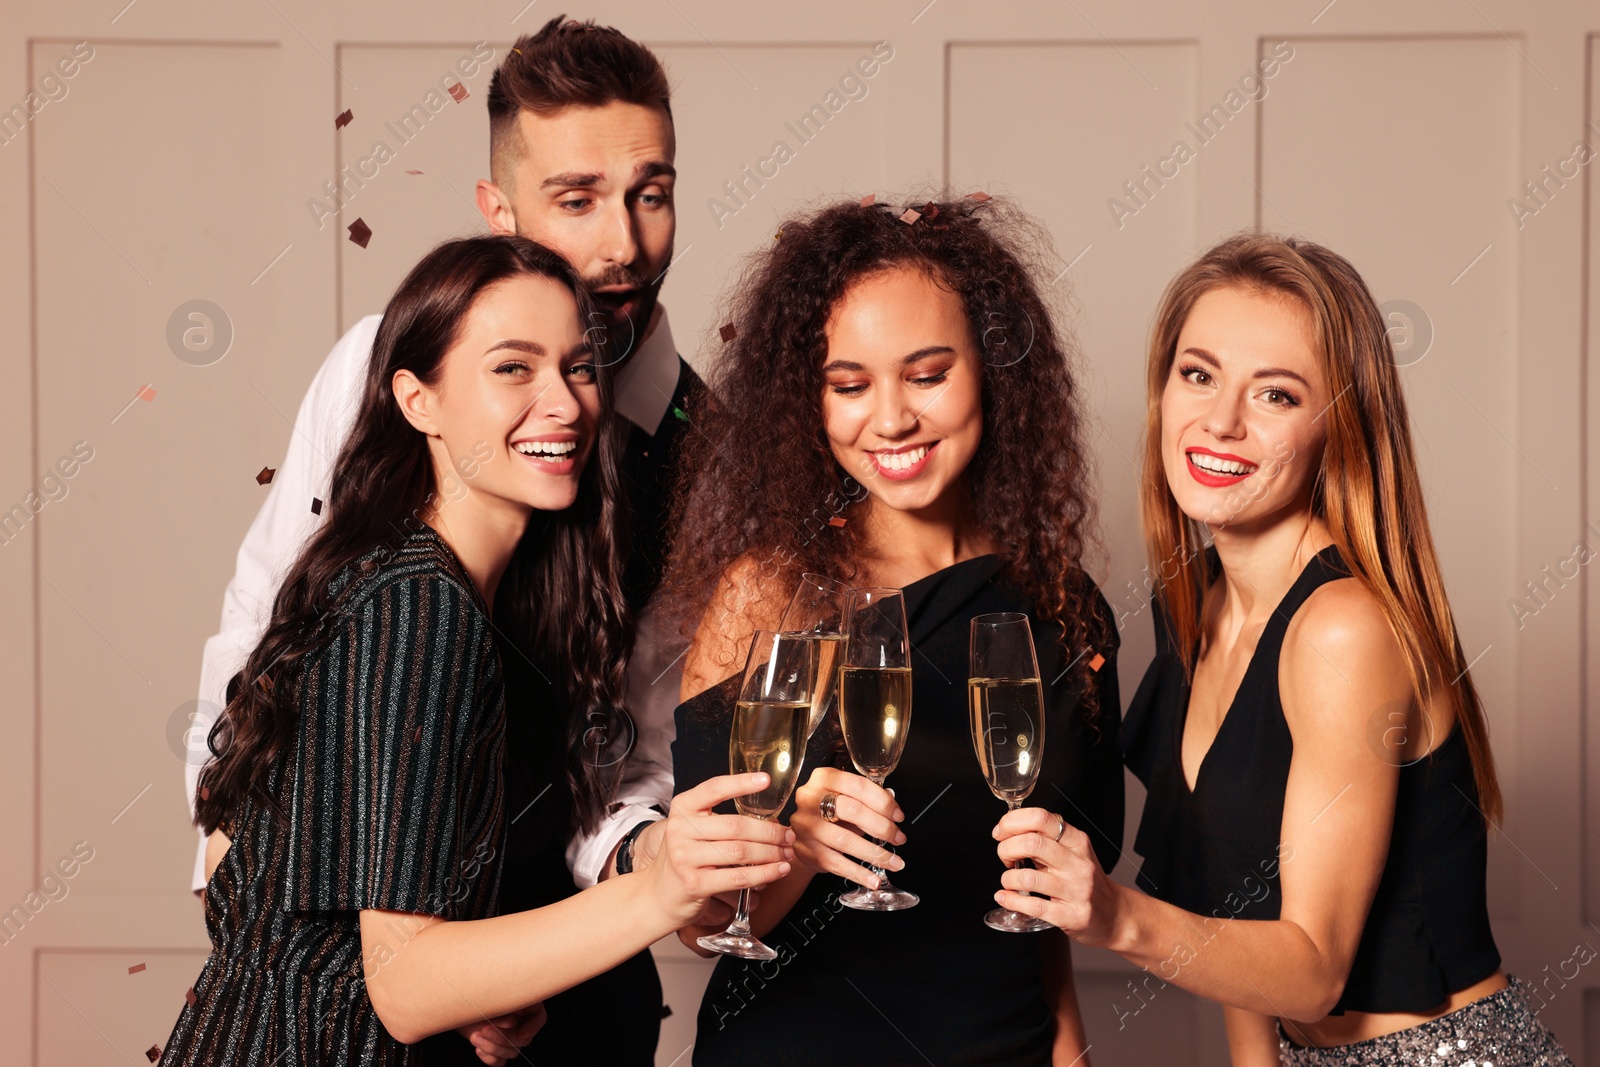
(875, 709)
(768, 734)
(817, 611)
(1005, 703)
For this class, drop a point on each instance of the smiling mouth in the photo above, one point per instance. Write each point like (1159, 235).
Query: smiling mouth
(904, 463)
(1222, 468)
(554, 453)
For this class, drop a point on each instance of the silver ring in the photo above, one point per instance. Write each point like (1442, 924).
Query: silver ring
(1063, 828)
(829, 806)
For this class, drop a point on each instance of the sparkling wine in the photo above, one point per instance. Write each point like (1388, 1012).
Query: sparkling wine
(830, 650)
(768, 737)
(875, 711)
(1008, 732)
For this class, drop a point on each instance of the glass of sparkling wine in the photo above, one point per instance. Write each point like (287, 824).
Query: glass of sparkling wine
(817, 611)
(768, 734)
(875, 709)
(1005, 704)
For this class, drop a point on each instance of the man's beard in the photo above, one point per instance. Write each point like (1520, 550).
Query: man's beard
(623, 317)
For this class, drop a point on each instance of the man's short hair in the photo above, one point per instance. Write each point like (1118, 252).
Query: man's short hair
(567, 64)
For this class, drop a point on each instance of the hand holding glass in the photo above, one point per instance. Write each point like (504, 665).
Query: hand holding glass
(1006, 704)
(768, 734)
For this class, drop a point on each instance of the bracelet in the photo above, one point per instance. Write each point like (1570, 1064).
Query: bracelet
(625, 848)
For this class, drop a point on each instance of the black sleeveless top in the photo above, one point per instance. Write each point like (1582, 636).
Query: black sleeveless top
(1215, 850)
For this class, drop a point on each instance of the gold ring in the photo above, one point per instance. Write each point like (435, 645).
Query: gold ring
(1063, 828)
(829, 806)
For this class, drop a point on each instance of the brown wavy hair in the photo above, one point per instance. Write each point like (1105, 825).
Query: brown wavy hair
(1367, 491)
(558, 608)
(760, 484)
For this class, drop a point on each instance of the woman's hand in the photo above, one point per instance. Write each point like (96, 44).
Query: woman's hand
(499, 1041)
(863, 809)
(702, 854)
(1075, 895)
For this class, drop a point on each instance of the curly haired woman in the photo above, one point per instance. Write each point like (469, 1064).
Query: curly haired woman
(896, 408)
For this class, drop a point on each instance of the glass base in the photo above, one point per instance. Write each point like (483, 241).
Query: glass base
(1014, 922)
(745, 946)
(885, 898)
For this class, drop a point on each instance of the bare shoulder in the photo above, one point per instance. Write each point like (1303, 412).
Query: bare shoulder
(1340, 652)
(750, 595)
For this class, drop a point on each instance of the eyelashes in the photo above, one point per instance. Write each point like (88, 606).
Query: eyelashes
(1290, 399)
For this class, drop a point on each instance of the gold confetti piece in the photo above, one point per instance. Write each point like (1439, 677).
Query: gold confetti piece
(980, 196)
(360, 233)
(459, 92)
(189, 997)
(147, 394)
(777, 235)
(837, 521)
(869, 199)
(205, 793)
(931, 211)
(153, 1053)
(265, 477)
(316, 505)
(343, 120)
(1098, 662)
(729, 331)
(911, 215)
(136, 968)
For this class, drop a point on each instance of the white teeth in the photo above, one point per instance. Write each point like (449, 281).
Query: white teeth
(1213, 465)
(546, 448)
(899, 461)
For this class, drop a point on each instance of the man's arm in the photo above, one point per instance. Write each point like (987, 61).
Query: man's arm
(646, 788)
(280, 530)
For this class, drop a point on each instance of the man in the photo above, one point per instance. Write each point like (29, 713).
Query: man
(581, 149)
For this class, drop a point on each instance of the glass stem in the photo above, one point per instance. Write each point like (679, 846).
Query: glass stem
(1013, 805)
(741, 921)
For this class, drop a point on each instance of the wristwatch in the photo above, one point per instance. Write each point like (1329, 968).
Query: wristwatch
(625, 849)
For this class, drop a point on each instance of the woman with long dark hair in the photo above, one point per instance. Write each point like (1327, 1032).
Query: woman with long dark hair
(1321, 785)
(896, 407)
(358, 764)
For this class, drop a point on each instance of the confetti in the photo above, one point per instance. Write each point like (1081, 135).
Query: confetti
(153, 1053)
(932, 212)
(679, 413)
(413, 172)
(360, 233)
(777, 235)
(459, 92)
(265, 682)
(980, 196)
(265, 477)
(729, 331)
(1098, 662)
(147, 394)
(343, 120)
(911, 215)
(666, 1011)
(837, 521)
(189, 997)
(316, 505)
(136, 968)
(416, 738)
(869, 199)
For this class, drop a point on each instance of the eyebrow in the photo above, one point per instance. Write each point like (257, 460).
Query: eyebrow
(534, 348)
(1265, 372)
(654, 168)
(930, 350)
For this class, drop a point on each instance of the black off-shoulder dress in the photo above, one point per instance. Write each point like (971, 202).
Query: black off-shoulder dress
(389, 798)
(933, 983)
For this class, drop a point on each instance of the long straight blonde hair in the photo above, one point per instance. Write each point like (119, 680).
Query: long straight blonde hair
(1367, 491)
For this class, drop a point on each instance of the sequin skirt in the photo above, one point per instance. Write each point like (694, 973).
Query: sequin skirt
(1499, 1030)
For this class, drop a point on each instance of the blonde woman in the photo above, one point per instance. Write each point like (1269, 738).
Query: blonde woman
(1317, 758)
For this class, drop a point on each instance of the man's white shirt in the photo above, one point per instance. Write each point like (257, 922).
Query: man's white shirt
(644, 388)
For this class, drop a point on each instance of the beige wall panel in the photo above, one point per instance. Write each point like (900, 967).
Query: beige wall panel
(139, 185)
(91, 1010)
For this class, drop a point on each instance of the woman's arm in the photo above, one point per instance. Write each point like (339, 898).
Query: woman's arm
(1252, 1038)
(1340, 665)
(426, 975)
(1071, 1045)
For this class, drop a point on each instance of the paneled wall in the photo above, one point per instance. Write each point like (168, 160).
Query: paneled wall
(189, 156)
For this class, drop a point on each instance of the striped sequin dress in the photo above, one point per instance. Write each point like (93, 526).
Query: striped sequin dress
(390, 799)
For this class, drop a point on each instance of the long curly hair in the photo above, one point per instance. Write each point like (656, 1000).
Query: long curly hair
(558, 608)
(1367, 489)
(761, 486)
